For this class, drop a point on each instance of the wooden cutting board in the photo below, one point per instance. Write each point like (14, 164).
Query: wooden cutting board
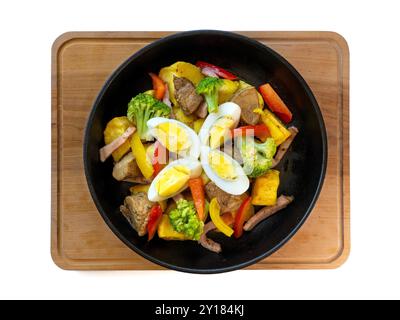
(81, 63)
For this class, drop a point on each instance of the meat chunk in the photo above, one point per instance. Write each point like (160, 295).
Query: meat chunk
(283, 148)
(185, 94)
(108, 149)
(202, 110)
(136, 210)
(247, 99)
(226, 201)
(126, 168)
(208, 243)
(264, 213)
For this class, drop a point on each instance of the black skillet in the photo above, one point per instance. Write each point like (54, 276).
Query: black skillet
(302, 171)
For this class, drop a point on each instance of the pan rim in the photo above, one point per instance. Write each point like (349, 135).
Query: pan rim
(309, 94)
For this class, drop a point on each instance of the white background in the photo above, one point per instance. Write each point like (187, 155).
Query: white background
(27, 30)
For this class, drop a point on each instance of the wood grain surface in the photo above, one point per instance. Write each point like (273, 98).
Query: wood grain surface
(81, 63)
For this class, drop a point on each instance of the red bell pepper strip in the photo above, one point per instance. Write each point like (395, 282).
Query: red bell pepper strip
(159, 86)
(275, 103)
(218, 71)
(196, 186)
(241, 216)
(159, 158)
(154, 220)
(259, 130)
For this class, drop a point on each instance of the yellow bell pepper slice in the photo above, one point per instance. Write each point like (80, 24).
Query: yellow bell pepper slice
(180, 116)
(167, 232)
(265, 189)
(226, 91)
(139, 188)
(278, 131)
(139, 152)
(216, 218)
(205, 178)
(115, 128)
(197, 124)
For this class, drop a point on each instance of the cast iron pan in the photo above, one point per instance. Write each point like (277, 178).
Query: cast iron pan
(302, 171)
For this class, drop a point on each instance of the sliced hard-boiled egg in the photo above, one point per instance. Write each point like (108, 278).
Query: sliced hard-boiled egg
(219, 130)
(175, 136)
(217, 125)
(173, 179)
(224, 171)
(222, 165)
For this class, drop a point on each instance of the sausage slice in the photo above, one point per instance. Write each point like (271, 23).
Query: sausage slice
(247, 99)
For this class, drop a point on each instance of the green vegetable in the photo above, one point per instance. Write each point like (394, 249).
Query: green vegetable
(184, 219)
(142, 108)
(257, 157)
(209, 88)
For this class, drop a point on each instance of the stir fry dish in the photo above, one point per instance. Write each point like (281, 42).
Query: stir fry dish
(200, 150)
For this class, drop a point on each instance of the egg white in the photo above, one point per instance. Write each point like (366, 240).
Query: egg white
(193, 151)
(237, 186)
(225, 109)
(195, 171)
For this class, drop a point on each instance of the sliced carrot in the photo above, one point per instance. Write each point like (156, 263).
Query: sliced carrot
(197, 189)
(158, 86)
(275, 103)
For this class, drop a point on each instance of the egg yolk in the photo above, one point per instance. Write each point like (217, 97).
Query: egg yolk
(173, 136)
(222, 166)
(173, 180)
(219, 130)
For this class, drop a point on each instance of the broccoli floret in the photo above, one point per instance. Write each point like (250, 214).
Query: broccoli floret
(257, 157)
(209, 86)
(184, 219)
(144, 107)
